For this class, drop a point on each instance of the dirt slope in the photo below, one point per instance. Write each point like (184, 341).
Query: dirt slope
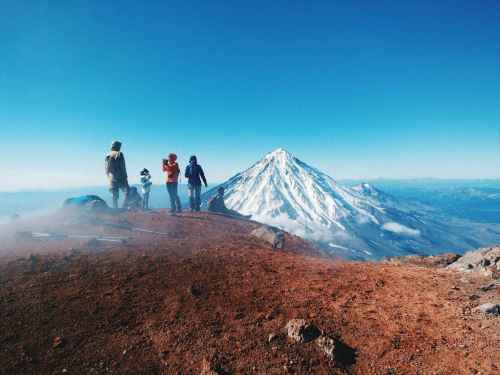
(206, 291)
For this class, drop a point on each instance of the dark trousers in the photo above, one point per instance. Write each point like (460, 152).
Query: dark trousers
(195, 197)
(145, 201)
(175, 202)
(115, 190)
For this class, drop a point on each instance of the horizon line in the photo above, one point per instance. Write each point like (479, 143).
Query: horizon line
(349, 179)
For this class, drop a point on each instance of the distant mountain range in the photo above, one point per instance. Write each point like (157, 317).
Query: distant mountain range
(359, 222)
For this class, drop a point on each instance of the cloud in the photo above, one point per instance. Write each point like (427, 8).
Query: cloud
(400, 229)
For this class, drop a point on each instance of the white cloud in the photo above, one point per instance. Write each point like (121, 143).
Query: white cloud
(400, 229)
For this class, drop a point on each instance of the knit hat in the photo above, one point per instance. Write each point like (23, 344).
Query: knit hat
(172, 158)
(144, 172)
(116, 146)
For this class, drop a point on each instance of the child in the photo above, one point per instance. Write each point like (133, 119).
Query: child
(146, 188)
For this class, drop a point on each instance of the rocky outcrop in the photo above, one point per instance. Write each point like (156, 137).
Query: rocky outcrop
(433, 261)
(483, 261)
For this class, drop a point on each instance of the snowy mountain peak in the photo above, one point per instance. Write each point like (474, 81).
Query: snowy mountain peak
(282, 190)
(279, 152)
(280, 155)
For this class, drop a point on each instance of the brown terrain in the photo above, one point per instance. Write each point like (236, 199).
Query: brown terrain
(205, 297)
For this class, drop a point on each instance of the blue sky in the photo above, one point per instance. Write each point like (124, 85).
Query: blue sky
(359, 89)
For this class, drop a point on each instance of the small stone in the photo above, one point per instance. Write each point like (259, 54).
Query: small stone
(300, 330)
(272, 337)
(269, 316)
(57, 342)
(488, 287)
(208, 369)
(194, 290)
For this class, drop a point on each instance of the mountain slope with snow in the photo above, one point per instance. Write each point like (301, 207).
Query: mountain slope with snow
(356, 222)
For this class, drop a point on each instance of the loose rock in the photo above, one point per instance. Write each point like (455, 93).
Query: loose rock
(489, 308)
(274, 236)
(300, 330)
(57, 342)
(488, 287)
(327, 345)
(272, 337)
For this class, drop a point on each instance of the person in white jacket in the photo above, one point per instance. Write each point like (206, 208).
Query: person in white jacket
(146, 188)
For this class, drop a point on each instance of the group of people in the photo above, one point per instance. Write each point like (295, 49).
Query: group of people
(118, 181)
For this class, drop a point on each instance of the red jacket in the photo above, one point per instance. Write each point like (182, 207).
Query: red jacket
(172, 171)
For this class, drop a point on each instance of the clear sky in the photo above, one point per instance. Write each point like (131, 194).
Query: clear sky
(359, 89)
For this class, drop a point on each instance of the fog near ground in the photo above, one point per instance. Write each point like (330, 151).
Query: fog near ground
(27, 203)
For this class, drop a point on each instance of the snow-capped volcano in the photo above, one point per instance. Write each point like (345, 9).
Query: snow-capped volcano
(282, 190)
(358, 222)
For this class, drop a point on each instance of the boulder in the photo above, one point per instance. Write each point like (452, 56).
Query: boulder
(274, 236)
(489, 308)
(302, 331)
(91, 203)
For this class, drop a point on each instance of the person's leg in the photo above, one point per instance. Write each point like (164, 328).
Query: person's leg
(125, 189)
(177, 199)
(191, 191)
(116, 196)
(198, 197)
(171, 195)
(145, 202)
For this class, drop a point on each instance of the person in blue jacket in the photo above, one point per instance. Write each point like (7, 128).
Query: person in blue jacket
(194, 174)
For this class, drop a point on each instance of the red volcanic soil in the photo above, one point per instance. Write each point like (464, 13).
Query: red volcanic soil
(208, 292)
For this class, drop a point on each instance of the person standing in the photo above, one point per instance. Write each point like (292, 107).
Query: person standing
(146, 188)
(194, 174)
(172, 172)
(116, 172)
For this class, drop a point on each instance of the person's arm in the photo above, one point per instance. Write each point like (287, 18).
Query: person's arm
(106, 165)
(202, 174)
(124, 167)
(187, 172)
(164, 166)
